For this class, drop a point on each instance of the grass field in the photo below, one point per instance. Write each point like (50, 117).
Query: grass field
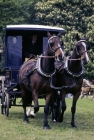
(13, 127)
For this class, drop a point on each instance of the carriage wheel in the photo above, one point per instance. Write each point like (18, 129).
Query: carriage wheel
(6, 108)
(2, 103)
(2, 97)
(1, 107)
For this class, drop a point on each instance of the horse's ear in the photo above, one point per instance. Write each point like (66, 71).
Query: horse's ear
(49, 34)
(87, 38)
(77, 37)
(59, 35)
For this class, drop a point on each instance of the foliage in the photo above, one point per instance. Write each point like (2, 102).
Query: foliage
(74, 16)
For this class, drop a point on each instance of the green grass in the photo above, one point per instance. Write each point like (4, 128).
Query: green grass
(13, 127)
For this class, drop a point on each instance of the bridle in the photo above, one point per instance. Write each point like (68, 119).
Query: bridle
(50, 44)
(80, 54)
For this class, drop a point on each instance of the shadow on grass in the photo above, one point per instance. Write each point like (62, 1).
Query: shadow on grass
(83, 121)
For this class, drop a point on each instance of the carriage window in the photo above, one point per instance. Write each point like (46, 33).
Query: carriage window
(14, 40)
(14, 51)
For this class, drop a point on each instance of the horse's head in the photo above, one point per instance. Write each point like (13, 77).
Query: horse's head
(82, 46)
(54, 46)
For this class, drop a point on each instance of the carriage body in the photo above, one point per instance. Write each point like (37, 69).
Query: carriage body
(14, 38)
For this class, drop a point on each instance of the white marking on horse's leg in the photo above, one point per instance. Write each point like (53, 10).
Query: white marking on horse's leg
(28, 111)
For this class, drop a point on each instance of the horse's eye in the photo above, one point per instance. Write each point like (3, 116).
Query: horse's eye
(52, 44)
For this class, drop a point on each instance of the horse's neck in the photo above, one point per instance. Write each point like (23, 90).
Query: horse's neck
(47, 65)
(74, 64)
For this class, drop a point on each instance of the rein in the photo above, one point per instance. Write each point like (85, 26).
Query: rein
(41, 56)
(75, 59)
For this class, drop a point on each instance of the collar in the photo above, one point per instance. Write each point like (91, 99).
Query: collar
(70, 72)
(38, 65)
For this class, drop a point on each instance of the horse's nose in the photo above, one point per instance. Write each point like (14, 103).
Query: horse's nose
(85, 61)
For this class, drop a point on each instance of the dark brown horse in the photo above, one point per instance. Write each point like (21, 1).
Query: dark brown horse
(34, 77)
(70, 76)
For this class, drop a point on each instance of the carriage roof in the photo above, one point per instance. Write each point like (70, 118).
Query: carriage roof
(35, 27)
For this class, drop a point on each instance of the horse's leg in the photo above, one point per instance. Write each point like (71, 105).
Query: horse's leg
(62, 107)
(26, 99)
(81, 95)
(92, 97)
(86, 96)
(58, 107)
(54, 105)
(73, 109)
(46, 111)
(25, 119)
(36, 104)
(56, 110)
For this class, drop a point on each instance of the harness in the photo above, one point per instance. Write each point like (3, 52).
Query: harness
(39, 69)
(71, 73)
(65, 67)
(35, 67)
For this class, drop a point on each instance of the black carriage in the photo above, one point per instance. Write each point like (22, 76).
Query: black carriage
(14, 38)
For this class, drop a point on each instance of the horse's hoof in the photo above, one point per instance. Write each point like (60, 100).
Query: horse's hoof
(26, 121)
(46, 127)
(73, 126)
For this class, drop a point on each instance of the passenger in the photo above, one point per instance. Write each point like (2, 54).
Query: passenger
(32, 48)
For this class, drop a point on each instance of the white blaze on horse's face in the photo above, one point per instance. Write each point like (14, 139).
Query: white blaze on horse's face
(61, 50)
(85, 55)
(58, 50)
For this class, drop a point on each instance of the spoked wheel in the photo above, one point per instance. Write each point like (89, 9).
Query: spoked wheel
(2, 96)
(1, 107)
(6, 107)
(2, 103)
